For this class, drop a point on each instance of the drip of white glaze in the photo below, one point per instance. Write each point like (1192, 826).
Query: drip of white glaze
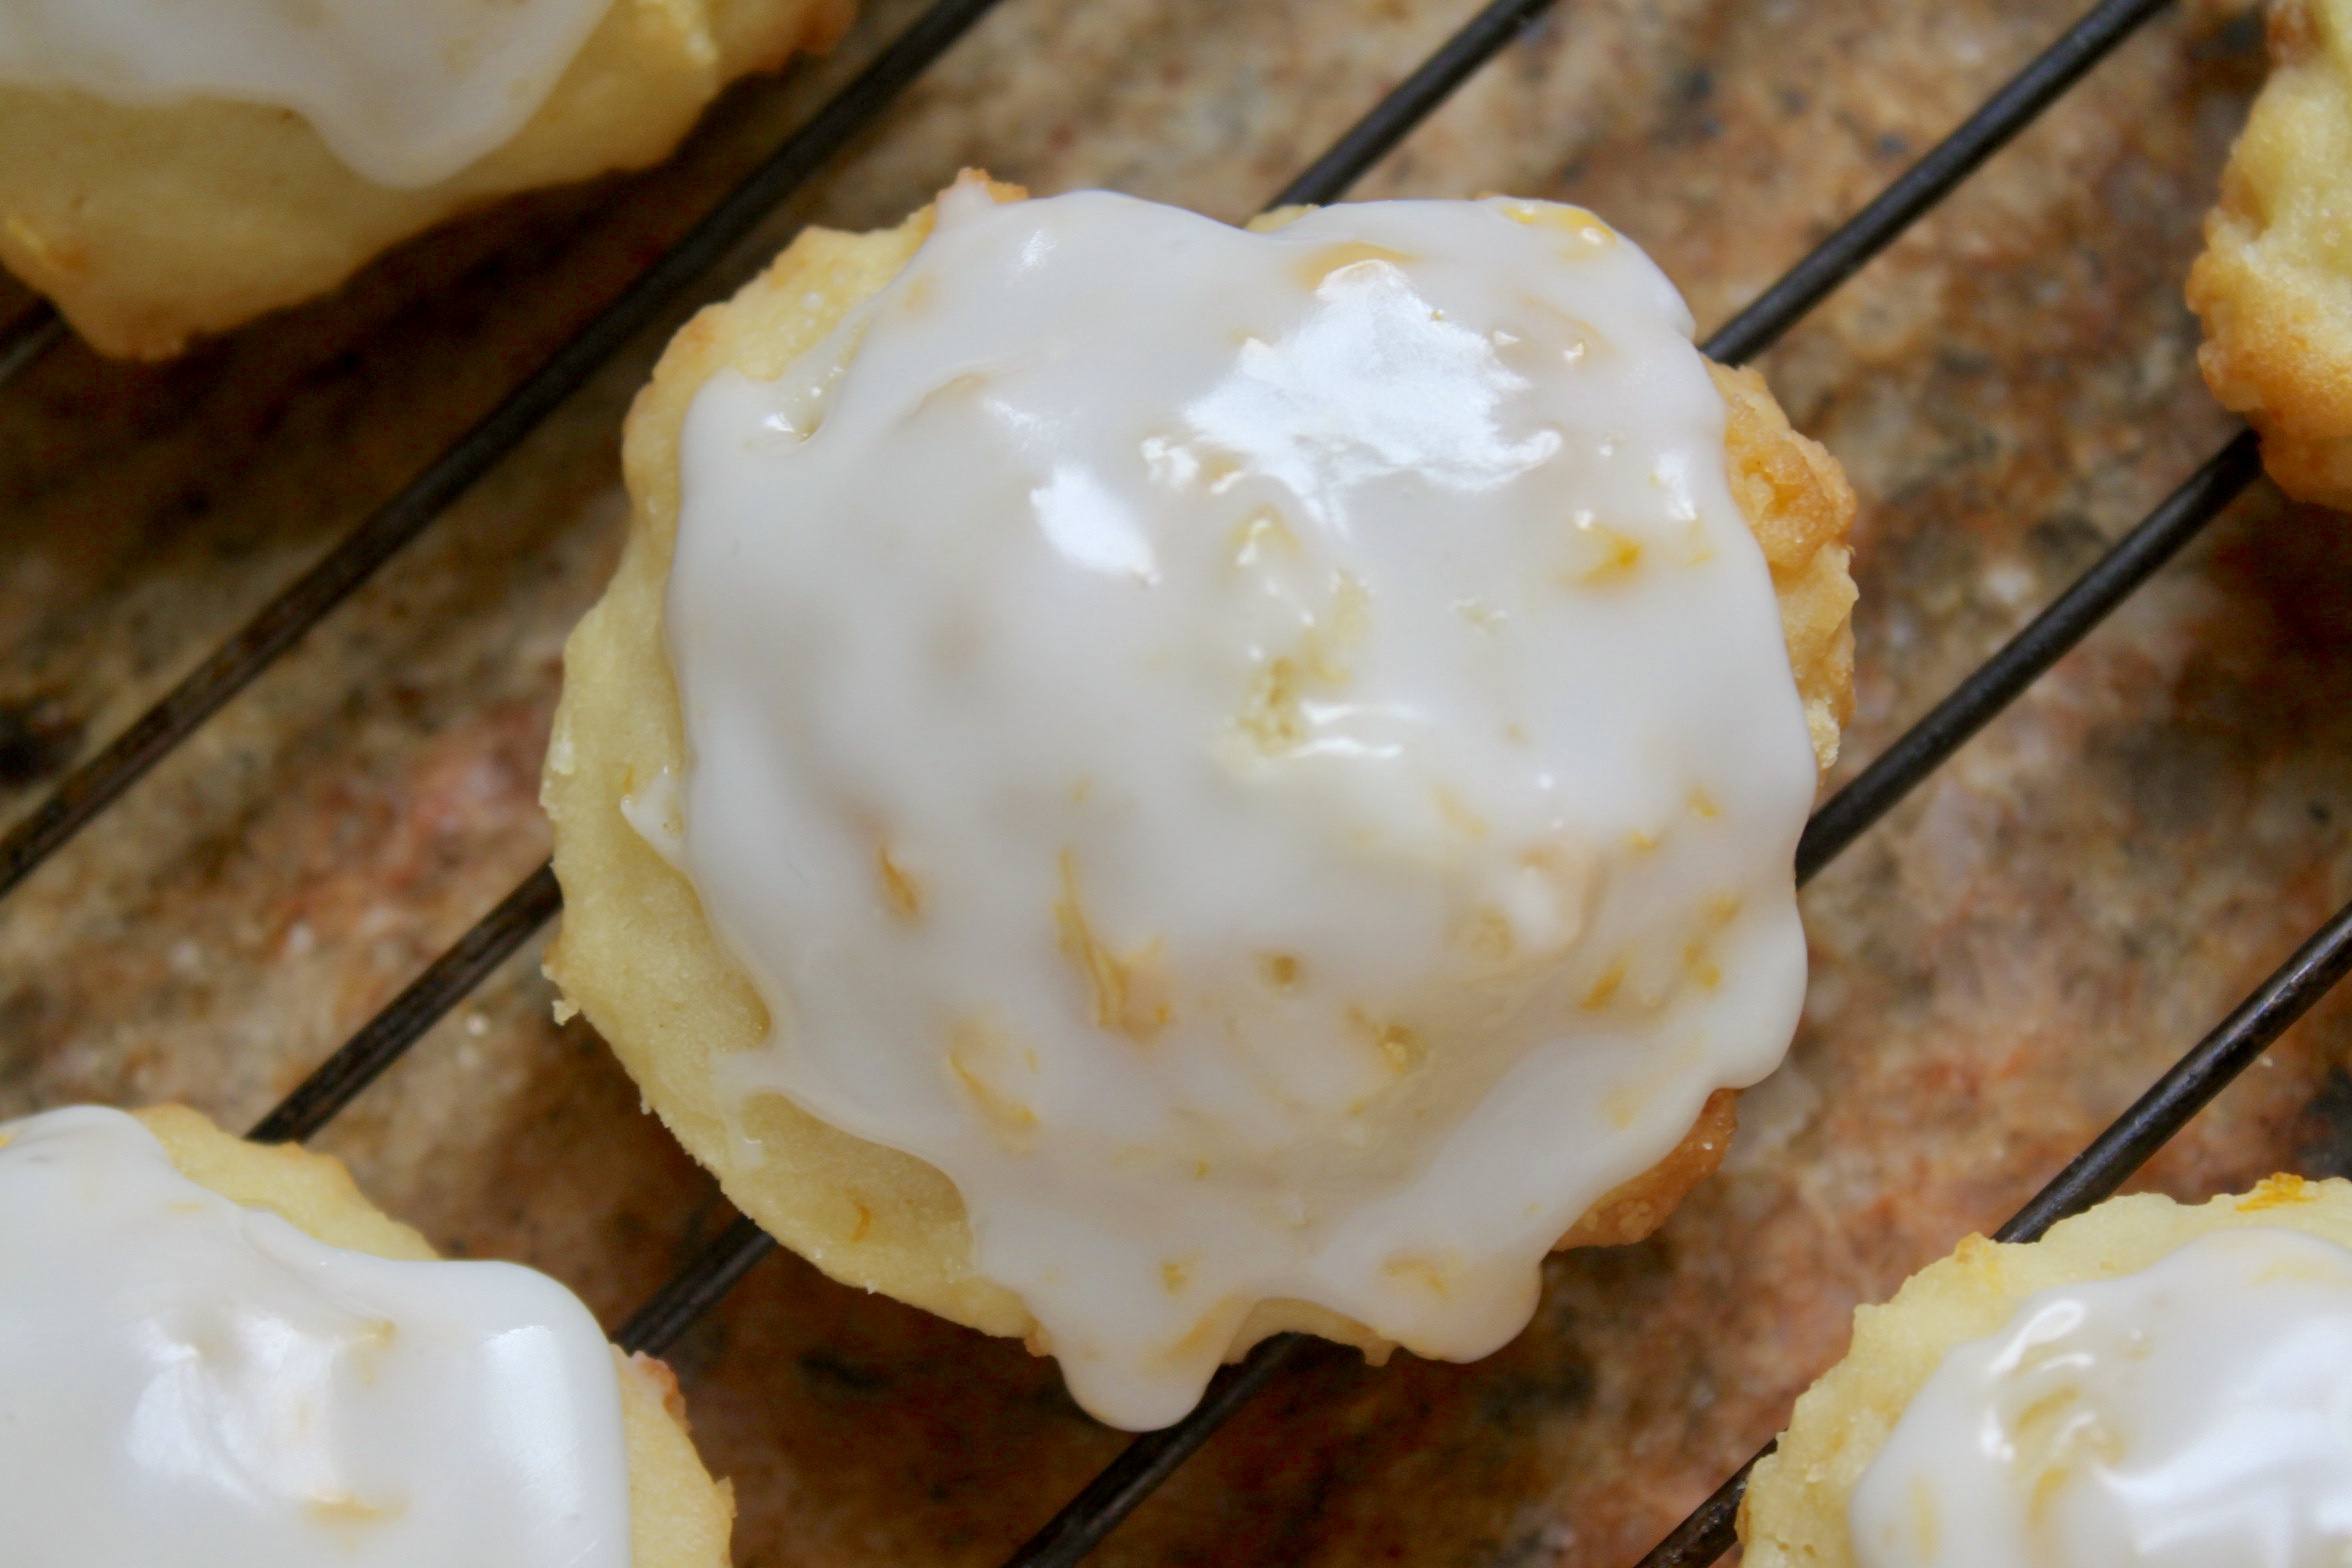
(1269, 759)
(184, 1380)
(406, 92)
(2197, 1414)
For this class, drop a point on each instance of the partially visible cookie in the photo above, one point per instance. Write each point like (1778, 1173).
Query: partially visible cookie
(255, 1359)
(1800, 1506)
(2274, 285)
(150, 223)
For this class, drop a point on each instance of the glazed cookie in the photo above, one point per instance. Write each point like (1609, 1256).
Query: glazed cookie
(2274, 285)
(2149, 1383)
(1281, 747)
(213, 1352)
(164, 174)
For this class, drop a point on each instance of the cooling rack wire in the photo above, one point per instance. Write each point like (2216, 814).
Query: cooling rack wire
(2095, 1173)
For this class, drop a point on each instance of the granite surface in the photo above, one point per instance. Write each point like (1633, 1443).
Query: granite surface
(1999, 968)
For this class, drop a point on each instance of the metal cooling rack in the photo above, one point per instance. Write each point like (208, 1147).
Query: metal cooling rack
(678, 273)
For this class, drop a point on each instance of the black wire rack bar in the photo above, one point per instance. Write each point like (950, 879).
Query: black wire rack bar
(2135, 1136)
(696, 1288)
(1996, 683)
(2009, 111)
(96, 783)
(1149, 1460)
(385, 1038)
(2127, 1144)
(1412, 100)
(31, 333)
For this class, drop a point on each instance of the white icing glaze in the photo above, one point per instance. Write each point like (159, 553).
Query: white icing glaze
(1269, 759)
(406, 92)
(2197, 1414)
(186, 1381)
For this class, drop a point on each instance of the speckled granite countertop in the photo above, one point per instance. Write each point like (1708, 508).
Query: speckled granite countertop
(1998, 969)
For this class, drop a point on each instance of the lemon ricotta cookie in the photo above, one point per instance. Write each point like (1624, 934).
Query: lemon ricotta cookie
(169, 168)
(213, 1352)
(1141, 783)
(2150, 1384)
(2274, 285)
